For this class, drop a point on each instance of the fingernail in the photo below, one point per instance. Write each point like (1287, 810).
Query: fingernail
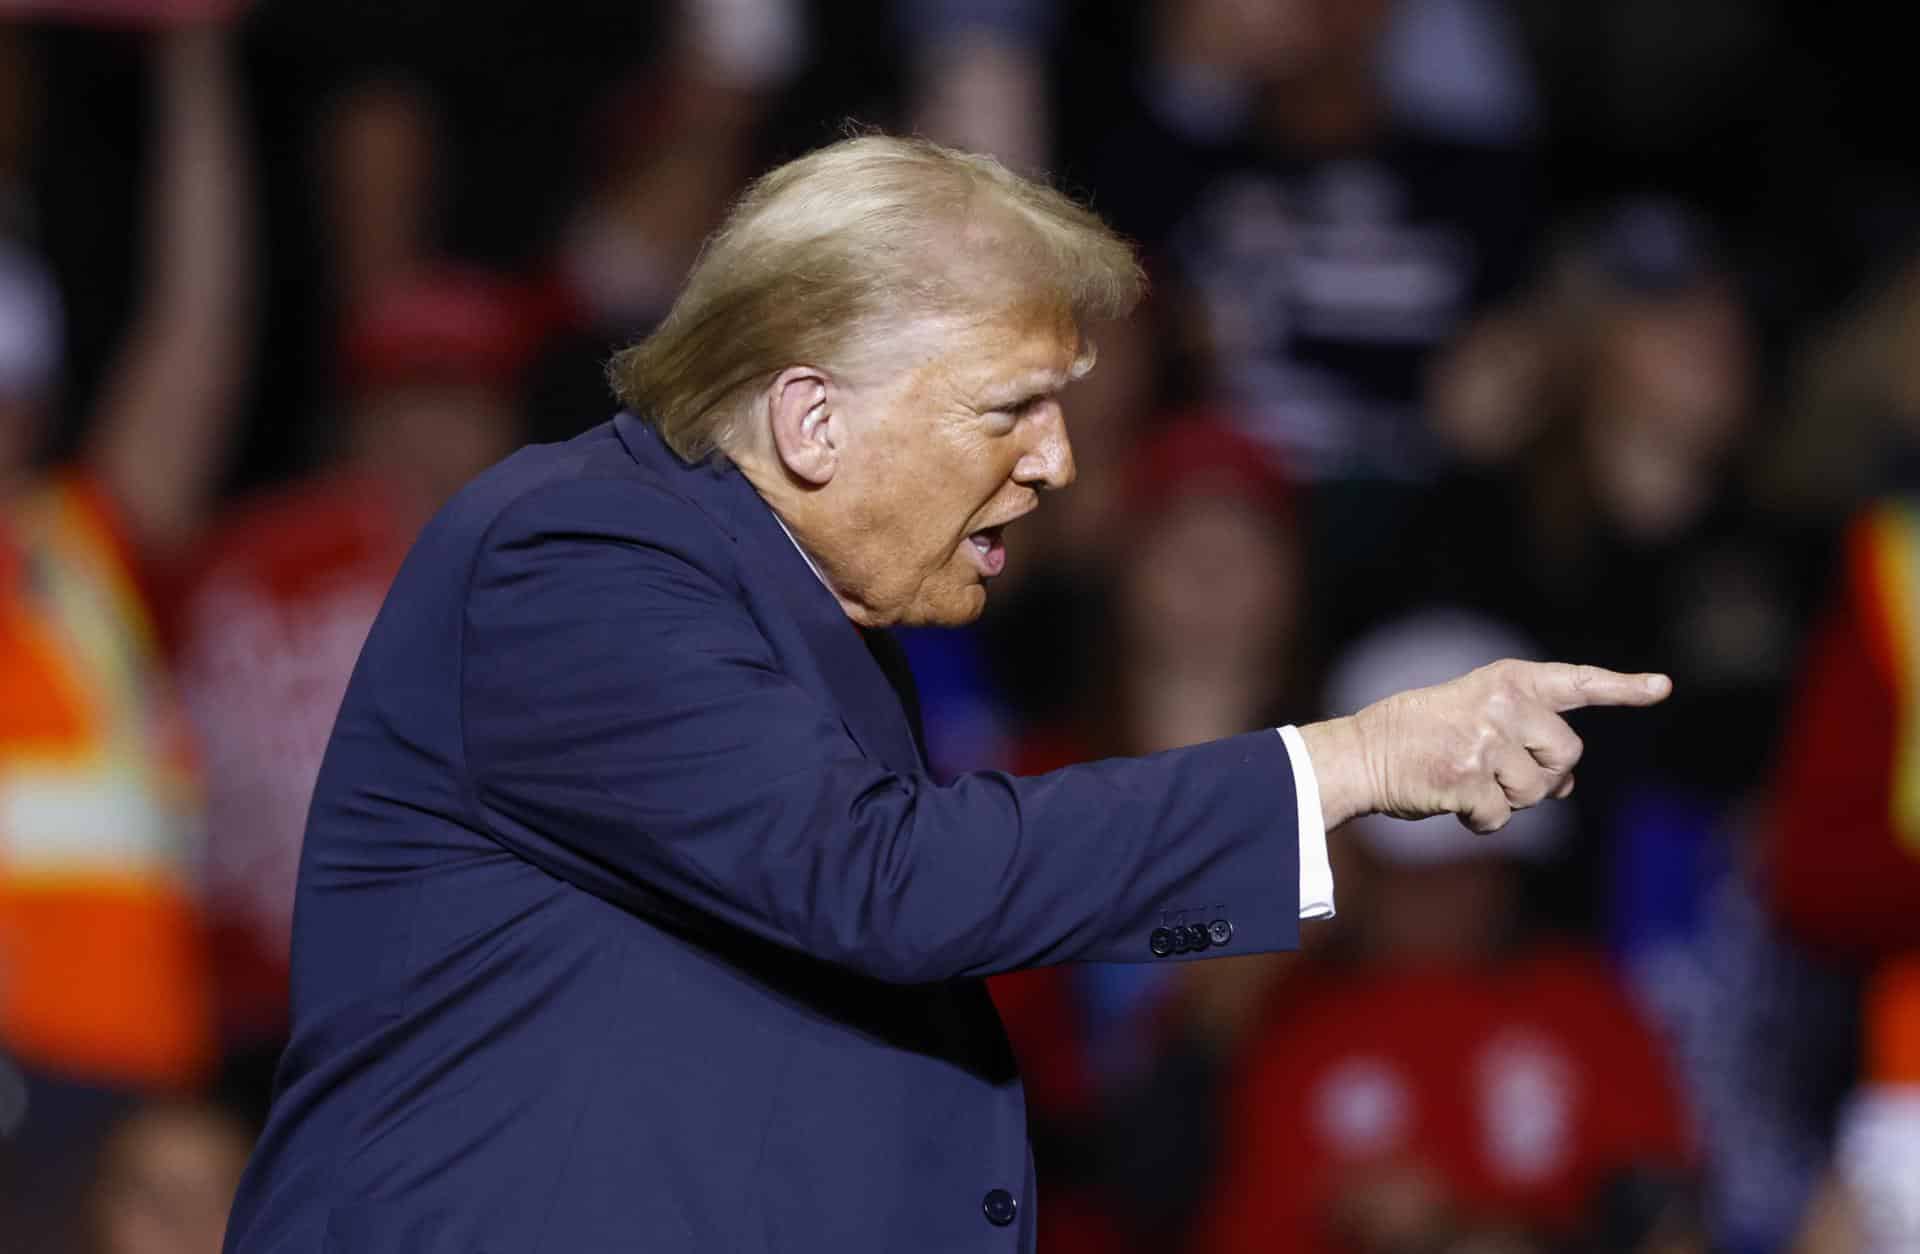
(1657, 683)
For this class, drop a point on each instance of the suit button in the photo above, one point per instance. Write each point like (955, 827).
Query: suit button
(1161, 942)
(1181, 941)
(999, 1207)
(1197, 934)
(1219, 931)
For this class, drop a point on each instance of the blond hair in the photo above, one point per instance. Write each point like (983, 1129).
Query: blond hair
(825, 259)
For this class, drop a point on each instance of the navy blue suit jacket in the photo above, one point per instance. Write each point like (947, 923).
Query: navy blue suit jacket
(629, 919)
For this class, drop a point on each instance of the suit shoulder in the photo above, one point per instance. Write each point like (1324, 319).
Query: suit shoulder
(586, 488)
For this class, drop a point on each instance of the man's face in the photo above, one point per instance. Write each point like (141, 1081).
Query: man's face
(937, 459)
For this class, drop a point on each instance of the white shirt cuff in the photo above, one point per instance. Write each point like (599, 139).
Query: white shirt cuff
(1316, 876)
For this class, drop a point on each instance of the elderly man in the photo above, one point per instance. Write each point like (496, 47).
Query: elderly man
(628, 916)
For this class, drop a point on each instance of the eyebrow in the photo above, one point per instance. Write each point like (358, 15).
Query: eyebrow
(1028, 389)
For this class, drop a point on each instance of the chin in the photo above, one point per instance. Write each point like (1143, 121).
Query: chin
(949, 607)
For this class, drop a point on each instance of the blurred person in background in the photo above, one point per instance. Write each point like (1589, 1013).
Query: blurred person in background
(378, 154)
(1852, 413)
(1844, 856)
(980, 76)
(1842, 859)
(1312, 264)
(669, 148)
(1844, 849)
(1869, 1199)
(1605, 424)
(1602, 506)
(1459, 67)
(1460, 1075)
(1177, 104)
(1204, 619)
(1204, 628)
(104, 981)
(165, 1178)
(291, 582)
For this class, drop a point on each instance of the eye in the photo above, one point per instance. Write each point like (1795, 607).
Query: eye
(1004, 418)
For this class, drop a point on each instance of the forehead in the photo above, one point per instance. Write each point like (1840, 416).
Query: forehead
(1018, 351)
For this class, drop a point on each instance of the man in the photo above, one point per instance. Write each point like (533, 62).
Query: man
(628, 917)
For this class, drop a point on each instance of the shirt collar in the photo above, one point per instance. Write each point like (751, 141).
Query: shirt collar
(804, 555)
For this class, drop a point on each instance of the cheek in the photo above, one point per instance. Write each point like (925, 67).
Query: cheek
(912, 495)
(939, 510)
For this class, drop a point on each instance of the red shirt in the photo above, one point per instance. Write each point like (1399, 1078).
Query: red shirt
(1518, 1085)
(269, 635)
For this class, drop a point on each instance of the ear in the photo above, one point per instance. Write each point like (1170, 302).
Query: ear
(806, 436)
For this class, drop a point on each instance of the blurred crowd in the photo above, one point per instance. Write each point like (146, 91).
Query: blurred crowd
(1479, 328)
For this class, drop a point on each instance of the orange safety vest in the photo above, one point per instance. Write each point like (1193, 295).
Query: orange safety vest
(1885, 553)
(103, 964)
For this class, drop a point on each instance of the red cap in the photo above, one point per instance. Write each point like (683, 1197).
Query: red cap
(446, 323)
(1204, 455)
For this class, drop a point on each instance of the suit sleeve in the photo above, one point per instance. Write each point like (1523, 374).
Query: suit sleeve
(628, 729)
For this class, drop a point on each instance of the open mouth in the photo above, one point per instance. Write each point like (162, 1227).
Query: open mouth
(988, 550)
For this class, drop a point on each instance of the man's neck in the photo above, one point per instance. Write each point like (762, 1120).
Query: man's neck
(786, 512)
(802, 550)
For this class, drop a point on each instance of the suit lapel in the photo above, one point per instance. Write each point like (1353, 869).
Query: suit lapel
(894, 665)
(852, 675)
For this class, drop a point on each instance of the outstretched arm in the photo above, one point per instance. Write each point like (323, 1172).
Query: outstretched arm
(158, 437)
(629, 728)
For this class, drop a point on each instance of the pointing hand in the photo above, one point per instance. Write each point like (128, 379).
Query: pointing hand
(1480, 746)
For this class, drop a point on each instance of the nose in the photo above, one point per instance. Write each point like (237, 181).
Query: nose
(1048, 461)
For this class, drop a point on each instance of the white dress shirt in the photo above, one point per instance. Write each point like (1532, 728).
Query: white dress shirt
(1316, 875)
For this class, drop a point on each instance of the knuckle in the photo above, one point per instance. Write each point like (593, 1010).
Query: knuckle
(1530, 790)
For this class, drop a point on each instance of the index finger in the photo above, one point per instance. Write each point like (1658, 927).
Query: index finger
(1564, 686)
